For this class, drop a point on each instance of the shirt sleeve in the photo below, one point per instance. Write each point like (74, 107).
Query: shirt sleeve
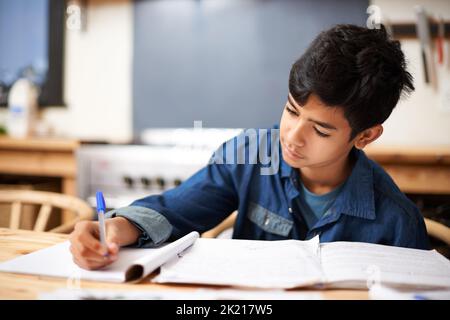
(422, 239)
(198, 204)
(412, 232)
(154, 227)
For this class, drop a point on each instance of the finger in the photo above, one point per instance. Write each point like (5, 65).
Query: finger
(113, 241)
(85, 254)
(81, 263)
(87, 234)
(92, 243)
(113, 248)
(93, 256)
(90, 264)
(86, 264)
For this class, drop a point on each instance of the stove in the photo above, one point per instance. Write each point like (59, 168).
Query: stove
(165, 159)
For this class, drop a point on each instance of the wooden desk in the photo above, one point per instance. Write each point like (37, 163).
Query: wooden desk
(14, 243)
(43, 157)
(420, 170)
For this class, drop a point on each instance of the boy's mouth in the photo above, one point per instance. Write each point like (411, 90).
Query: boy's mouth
(292, 154)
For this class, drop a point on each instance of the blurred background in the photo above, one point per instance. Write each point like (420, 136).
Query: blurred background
(131, 97)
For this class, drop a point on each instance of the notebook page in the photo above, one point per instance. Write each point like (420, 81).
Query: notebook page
(247, 263)
(167, 294)
(151, 262)
(57, 261)
(367, 264)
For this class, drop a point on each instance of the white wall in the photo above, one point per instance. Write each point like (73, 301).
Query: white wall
(98, 79)
(98, 76)
(419, 120)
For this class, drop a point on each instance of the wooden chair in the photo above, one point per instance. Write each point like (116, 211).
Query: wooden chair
(438, 230)
(224, 225)
(47, 200)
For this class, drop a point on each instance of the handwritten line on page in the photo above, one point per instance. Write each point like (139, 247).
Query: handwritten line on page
(132, 264)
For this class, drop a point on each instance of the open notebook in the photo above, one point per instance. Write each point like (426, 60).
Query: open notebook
(250, 263)
(132, 264)
(294, 263)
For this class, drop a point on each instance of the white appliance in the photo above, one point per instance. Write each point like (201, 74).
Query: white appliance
(166, 158)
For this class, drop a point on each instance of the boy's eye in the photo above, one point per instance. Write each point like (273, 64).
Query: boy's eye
(318, 132)
(292, 112)
(321, 134)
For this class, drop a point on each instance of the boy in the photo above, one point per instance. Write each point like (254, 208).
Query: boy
(340, 92)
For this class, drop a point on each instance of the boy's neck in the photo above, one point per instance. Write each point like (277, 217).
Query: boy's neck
(324, 179)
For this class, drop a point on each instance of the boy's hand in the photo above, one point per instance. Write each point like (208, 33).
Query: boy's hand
(86, 248)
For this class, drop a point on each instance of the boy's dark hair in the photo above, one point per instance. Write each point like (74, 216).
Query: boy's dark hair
(361, 70)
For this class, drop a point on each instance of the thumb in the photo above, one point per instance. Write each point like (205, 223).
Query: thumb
(113, 243)
(113, 248)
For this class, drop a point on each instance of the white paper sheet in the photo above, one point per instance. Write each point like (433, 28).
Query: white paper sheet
(246, 263)
(369, 264)
(380, 292)
(57, 261)
(197, 294)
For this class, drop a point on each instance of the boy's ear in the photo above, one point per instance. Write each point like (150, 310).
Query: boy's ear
(368, 136)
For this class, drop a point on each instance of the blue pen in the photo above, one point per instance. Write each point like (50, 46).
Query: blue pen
(101, 217)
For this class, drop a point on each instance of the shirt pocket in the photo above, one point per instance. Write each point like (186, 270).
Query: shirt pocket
(269, 221)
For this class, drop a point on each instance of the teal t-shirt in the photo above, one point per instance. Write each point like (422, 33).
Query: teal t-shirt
(313, 206)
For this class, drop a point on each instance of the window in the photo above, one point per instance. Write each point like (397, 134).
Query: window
(32, 38)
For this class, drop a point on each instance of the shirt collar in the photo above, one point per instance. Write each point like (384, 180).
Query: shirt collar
(357, 196)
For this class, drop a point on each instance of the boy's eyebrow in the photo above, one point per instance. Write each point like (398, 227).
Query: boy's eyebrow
(323, 124)
(320, 123)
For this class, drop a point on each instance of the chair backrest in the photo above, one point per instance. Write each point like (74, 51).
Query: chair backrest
(438, 230)
(221, 227)
(47, 201)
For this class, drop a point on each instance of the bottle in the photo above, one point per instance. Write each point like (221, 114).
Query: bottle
(22, 107)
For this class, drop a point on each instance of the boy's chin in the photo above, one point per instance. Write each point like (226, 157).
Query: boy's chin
(298, 164)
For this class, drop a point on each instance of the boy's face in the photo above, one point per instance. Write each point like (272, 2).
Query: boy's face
(313, 135)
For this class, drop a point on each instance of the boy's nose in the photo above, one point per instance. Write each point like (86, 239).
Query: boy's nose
(296, 137)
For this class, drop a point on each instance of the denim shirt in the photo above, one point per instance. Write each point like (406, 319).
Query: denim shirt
(369, 208)
(314, 206)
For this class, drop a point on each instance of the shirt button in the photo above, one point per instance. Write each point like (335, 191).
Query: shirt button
(266, 222)
(290, 210)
